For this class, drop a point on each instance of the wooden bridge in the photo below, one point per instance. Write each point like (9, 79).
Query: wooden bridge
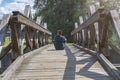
(28, 56)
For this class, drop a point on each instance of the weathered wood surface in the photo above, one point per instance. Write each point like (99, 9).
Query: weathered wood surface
(108, 66)
(68, 64)
(94, 18)
(3, 27)
(15, 65)
(115, 20)
(20, 18)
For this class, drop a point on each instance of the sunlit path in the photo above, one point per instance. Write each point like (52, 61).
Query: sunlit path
(68, 64)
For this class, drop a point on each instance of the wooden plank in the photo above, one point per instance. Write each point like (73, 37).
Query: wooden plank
(38, 20)
(92, 28)
(39, 39)
(81, 32)
(115, 21)
(5, 51)
(46, 39)
(20, 18)
(5, 20)
(85, 42)
(76, 35)
(74, 38)
(92, 37)
(45, 25)
(27, 38)
(91, 10)
(79, 38)
(3, 28)
(94, 18)
(15, 37)
(108, 66)
(27, 11)
(35, 39)
(104, 36)
(111, 69)
(52, 64)
(6, 75)
(96, 27)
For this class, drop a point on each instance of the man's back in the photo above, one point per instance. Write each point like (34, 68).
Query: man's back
(59, 42)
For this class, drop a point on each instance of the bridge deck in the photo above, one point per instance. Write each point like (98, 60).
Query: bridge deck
(68, 64)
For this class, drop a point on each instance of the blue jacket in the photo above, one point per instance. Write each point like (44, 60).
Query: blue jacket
(59, 42)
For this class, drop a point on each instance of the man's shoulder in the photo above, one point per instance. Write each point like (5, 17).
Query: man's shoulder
(57, 36)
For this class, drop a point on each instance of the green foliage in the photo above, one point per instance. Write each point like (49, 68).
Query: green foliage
(50, 41)
(7, 41)
(60, 14)
(69, 44)
(111, 35)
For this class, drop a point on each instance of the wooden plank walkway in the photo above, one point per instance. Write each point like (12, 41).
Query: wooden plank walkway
(68, 64)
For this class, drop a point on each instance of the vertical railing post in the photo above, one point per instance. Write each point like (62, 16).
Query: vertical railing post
(46, 37)
(92, 29)
(103, 29)
(35, 39)
(86, 37)
(42, 38)
(76, 35)
(15, 37)
(81, 32)
(28, 39)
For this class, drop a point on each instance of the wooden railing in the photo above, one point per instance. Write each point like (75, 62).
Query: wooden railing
(93, 32)
(24, 34)
(92, 36)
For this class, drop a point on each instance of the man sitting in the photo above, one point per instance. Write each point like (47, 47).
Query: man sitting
(59, 41)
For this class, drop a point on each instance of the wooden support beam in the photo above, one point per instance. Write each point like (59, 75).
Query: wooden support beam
(108, 66)
(15, 40)
(104, 35)
(92, 37)
(82, 31)
(39, 39)
(85, 37)
(5, 21)
(35, 40)
(94, 18)
(27, 11)
(5, 51)
(46, 38)
(27, 39)
(81, 37)
(42, 39)
(20, 18)
(38, 20)
(3, 29)
(76, 35)
(115, 21)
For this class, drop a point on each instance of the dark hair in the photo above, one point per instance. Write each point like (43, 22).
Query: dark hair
(59, 32)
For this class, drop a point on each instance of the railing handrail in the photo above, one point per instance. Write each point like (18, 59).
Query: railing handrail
(92, 19)
(22, 19)
(24, 32)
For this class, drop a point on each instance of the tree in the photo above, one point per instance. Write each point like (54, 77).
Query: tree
(110, 4)
(60, 14)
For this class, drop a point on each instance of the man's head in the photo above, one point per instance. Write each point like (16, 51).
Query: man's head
(59, 32)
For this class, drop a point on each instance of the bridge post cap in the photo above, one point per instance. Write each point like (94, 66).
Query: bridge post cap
(15, 13)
